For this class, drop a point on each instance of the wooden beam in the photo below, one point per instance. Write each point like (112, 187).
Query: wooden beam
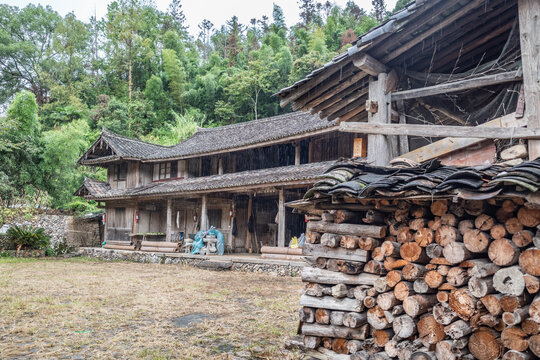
(204, 212)
(529, 28)
(168, 230)
(377, 147)
(281, 218)
(450, 144)
(220, 165)
(441, 131)
(297, 154)
(456, 86)
(403, 140)
(248, 234)
(369, 64)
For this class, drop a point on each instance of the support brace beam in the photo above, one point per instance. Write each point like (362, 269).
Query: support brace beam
(369, 64)
(281, 219)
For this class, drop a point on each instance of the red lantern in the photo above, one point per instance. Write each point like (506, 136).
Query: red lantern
(230, 213)
(104, 218)
(136, 217)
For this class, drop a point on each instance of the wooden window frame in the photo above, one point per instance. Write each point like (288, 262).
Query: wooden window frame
(121, 169)
(170, 167)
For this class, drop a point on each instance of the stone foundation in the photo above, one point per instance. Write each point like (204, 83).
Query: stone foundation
(278, 268)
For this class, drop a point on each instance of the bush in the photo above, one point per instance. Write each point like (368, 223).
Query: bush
(28, 237)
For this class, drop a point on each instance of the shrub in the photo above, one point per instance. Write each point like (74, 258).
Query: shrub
(28, 237)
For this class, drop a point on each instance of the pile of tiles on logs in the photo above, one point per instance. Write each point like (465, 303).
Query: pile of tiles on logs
(356, 178)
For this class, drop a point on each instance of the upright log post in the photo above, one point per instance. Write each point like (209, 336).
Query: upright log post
(281, 218)
(378, 145)
(297, 154)
(168, 231)
(248, 234)
(220, 166)
(529, 28)
(204, 213)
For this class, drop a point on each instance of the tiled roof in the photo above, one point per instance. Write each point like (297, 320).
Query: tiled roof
(211, 140)
(92, 188)
(272, 176)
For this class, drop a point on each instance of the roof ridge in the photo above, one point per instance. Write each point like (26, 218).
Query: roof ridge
(108, 132)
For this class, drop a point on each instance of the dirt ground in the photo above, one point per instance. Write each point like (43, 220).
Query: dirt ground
(87, 309)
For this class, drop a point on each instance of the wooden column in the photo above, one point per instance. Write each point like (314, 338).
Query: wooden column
(137, 173)
(168, 230)
(310, 151)
(297, 154)
(135, 226)
(248, 234)
(378, 151)
(220, 166)
(281, 219)
(529, 28)
(204, 213)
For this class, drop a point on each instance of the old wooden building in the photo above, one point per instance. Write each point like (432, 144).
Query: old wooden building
(236, 178)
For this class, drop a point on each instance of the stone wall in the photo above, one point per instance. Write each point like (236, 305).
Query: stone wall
(278, 268)
(77, 232)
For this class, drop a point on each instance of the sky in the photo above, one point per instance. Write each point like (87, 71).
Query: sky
(217, 11)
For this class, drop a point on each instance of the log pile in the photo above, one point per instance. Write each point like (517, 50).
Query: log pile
(427, 280)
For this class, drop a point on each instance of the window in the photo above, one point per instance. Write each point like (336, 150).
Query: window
(214, 218)
(166, 170)
(121, 171)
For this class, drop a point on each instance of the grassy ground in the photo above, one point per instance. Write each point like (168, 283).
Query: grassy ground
(88, 309)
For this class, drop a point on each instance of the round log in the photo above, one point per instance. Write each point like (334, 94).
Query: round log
(534, 309)
(340, 346)
(523, 238)
(418, 211)
(534, 345)
(322, 316)
(418, 304)
(530, 327)
(412, 252)
(509, 281)
(483, 268)
(476, 241)
(449, 219)
(387, 300)
(430, 331)
(517, 355)
(463, 303)
(373, 217)
(417, 224)
(390, 248)
(456, 252)
(498, 231)
(404, 326)
(443, 351)
(515, 317)
(312, 342)
(393, 278)
(503, 252)
(443, 314)
(403, 289)
(447, 234)
(510, 303)
(439, 207)
(354, 320)
(484, 344)
(465, 225)
(480, 287)
(529, 261)
(420, 287)
(509, 206)
(349, 242)
(442, 296)
(330, 240)
(377, 319)
(413, 271)
(368, 243)
(492, 303)
(404, 235)
(423, 237)
(458, 329)
(433, 279)
(434, 251)
(457, 276)
(321, 263)
(514, 338)
(532, 283)
(484, 222)
(529, 217)
(513, 226)
(381, 337)
(502, 216)
(336, 318)
(313, 237)
(346, 216)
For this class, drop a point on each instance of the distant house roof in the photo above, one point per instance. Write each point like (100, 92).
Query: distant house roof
(286, 175)
(92, 188)
(208, 141)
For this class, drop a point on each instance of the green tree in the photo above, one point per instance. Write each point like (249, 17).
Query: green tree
(172, 69)
(61, 149)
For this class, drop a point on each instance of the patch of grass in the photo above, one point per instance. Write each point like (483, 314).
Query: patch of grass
(104, 310)
(16, 260)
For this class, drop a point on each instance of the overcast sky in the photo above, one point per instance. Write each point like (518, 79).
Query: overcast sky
(217, 11)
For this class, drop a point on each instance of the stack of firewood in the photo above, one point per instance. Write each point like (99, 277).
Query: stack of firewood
(435, 280)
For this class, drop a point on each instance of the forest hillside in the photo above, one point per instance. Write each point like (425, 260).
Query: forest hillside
(138, 72)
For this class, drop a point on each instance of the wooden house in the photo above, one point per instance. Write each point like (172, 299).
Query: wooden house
(215, 178)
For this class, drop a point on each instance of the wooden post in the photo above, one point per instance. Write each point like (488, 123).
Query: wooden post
(281, 219)
(168, 235)
(135, 225)
(297, 154)
(248, 234)
(310, 151)
(220, 166)
(529, 28)
(378, 145)
(204, 213)
(137, 175)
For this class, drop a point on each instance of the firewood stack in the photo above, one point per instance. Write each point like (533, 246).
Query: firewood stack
(423, 280)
